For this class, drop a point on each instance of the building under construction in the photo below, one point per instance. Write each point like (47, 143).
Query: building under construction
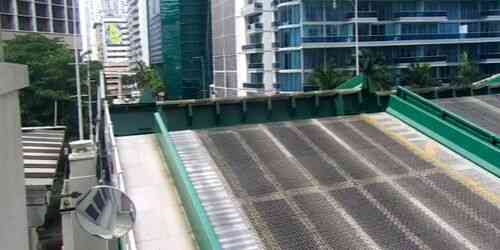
(179, 33)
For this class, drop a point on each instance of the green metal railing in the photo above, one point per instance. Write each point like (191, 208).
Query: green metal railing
(467, 139)
(200, 224)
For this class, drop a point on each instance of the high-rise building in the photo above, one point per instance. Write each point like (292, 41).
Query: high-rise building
(115, 8)
(315, 33)
(180, 46)
(286, 40)
(138, 32)
(53, 19)
(115, 46)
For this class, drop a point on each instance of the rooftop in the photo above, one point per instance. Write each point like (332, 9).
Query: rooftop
(414, 176)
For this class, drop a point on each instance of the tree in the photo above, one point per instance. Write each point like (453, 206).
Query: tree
(50, 73)
(468, 71)
(328, 77)
(376, 71)
(146, 77)
(418, 75)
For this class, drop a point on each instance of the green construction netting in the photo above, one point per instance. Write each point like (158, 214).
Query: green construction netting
(355, 84)
(495, 82)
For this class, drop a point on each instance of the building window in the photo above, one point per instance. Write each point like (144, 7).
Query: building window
(289, 37)
(313, 10)
(289, 60)
(290, 81)
(289, 15)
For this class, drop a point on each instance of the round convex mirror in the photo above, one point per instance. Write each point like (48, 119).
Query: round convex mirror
(106, 212)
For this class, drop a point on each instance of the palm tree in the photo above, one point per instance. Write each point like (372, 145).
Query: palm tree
(376, 71)
(468, 71)
(328, 77)
(418, 75)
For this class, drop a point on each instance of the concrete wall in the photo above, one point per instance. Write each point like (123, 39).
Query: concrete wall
(13, 226)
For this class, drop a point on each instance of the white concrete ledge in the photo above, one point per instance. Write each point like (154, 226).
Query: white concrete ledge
(14, 77)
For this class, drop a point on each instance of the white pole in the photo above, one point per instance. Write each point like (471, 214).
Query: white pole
(77, 71)
(357, 35)
(89, 84)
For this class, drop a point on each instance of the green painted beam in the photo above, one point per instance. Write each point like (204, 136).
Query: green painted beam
(465, 138)
(200, 224)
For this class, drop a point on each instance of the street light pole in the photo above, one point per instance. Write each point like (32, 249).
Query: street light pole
(77, 71)
(356, 35)
(89, 91)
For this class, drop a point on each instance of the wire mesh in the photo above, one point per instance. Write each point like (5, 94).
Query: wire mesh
(473, 112)
(285, 172)
(290, 207)
(241, 165)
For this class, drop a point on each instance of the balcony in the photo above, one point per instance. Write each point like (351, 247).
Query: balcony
(491, 15)
(255, 27)
(253, 85)
(420, 59)
(256, 66)
(490, 58)
(254, 47)
(253, 8)
(403, 37)
(363, 16)
(421, 16)
(329, 39)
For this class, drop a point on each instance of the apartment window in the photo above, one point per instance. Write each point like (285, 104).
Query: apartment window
(338, 11)
(59, 26)
(431, 50)
(6, 6)
(254, 58)
(42, 25)
(7, 22)
(407, 5)
(41, 10)
(256, 78)
(23, 8)
(289, 60)
(448, 28)
(25, 23)
(58, 12)
(255, 38)
(405, 52)
(313, 58)
(431, 6)
(289, 37)
(290, 81)
(289, 14)
(313, 31)
(313, 10)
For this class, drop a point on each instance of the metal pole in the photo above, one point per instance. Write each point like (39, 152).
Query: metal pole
(89, 88)
(203, 80)
(356, 34)
(55, 113)
(1, 43)
(77, 71)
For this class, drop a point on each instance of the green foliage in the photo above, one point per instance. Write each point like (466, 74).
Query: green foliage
(146, 77)
(378, 74)
(328, 77)
(51, 76)
(418, 75)
(468, 71)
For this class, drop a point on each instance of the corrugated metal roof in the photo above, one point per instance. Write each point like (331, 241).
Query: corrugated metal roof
(42, 148)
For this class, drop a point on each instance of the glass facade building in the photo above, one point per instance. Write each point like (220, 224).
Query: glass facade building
(313, 33)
